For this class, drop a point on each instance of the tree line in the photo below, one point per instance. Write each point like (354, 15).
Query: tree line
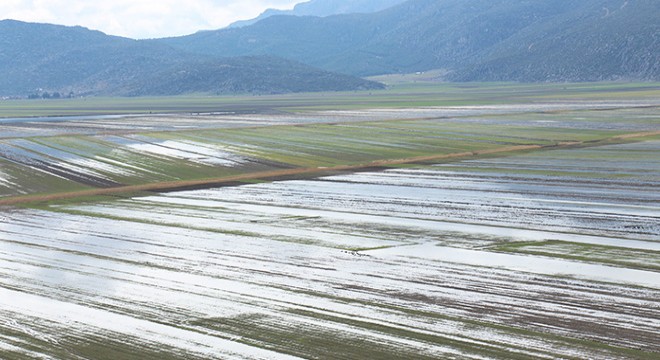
(47, 95)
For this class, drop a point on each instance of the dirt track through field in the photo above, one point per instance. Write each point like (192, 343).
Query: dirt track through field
(171, 185)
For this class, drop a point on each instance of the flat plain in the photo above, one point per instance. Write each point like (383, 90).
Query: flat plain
(425, 221)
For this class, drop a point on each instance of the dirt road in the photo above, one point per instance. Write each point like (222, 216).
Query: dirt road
(172, 185)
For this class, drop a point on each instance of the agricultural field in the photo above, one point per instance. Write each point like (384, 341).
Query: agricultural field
(497, 230)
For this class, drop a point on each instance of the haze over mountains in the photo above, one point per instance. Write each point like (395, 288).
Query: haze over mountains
(533, 40)
(322, 8)
(74, 59)
(473, 40)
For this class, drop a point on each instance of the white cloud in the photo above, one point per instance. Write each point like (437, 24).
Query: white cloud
(140, 18)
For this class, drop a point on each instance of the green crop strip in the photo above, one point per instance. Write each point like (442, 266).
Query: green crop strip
(608, 255)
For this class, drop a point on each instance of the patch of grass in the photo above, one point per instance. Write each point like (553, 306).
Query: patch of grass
(607, 255)
(57, 205)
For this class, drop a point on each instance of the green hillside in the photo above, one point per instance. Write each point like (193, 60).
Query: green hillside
(37, 58)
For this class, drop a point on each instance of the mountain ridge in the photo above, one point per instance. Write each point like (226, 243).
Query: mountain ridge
(64, 59)
(470, 40)
(477, 40)
(322, 8)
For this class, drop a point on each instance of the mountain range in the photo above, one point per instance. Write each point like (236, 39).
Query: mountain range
(475, 40)
(470, 40)
(322, 8)
(36, 58)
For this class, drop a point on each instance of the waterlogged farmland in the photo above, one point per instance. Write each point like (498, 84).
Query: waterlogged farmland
(40, 157)
(501, 232)
(417, 262)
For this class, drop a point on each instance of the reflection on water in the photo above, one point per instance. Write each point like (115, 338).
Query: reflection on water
(526, 263)
(238, 272)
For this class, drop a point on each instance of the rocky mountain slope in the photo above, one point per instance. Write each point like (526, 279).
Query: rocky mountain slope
(476, 40)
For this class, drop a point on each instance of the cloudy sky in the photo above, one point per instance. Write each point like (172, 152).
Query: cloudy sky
(140, 18)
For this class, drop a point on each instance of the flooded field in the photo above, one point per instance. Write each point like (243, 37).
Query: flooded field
(476, 259)
(51, 156)
(583, 114)
(485, 231)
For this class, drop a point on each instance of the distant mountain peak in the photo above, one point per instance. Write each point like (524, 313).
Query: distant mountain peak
(321, 8)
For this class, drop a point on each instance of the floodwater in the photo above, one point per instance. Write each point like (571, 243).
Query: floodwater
(404, 263)
(546, 255)
(578, 115)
